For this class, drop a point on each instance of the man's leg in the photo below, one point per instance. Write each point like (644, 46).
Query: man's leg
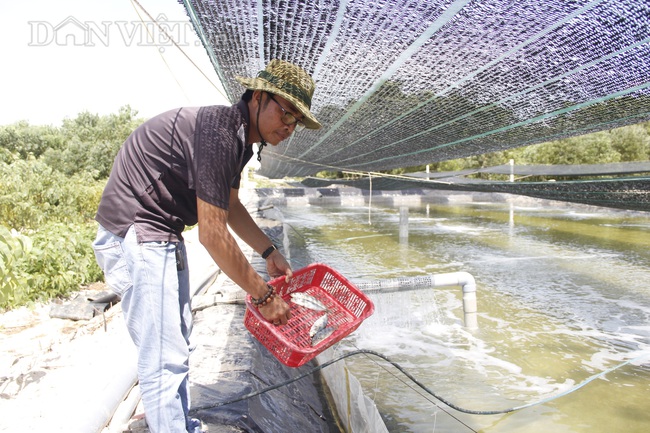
(158, 317)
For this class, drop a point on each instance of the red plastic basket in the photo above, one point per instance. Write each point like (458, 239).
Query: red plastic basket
(291, 344)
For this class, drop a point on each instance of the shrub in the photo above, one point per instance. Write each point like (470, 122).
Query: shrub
(32, 193)
(13, 279)
(53, 261)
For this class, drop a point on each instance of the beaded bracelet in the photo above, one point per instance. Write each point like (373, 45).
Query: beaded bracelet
(267, 298)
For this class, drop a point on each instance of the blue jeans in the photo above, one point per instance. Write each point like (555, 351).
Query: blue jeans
(156, 305)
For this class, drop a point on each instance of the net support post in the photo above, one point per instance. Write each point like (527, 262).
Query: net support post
(403, 224)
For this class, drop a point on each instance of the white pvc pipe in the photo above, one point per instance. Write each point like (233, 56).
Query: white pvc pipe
(120, 420)
(463, 279)
(108, 392)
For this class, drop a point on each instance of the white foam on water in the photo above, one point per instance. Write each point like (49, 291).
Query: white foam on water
(464, 229)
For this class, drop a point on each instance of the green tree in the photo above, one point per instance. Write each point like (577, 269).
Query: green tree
(93, 158)
(631, 142)
(23, 139)
(94, 128)
(593, 148)
(92, 141)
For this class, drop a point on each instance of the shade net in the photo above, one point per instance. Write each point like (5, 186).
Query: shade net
(404, 83)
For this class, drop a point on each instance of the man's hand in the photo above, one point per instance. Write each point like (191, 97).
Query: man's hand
(276, 311)
(277, 265)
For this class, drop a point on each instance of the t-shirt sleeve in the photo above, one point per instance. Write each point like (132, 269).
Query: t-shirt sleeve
(217, 155)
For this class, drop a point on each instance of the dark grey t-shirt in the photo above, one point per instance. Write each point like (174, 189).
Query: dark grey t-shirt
(170, 160)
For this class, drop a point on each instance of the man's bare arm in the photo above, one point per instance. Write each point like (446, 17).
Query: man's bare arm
(245, 227)
(222, 246)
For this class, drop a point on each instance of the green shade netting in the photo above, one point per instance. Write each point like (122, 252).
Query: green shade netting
(404, 83)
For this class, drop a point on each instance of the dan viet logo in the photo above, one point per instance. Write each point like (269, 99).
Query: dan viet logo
(73, 32)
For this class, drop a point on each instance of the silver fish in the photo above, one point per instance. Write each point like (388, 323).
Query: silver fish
(322, 335)
(318, 325)
(307, 301)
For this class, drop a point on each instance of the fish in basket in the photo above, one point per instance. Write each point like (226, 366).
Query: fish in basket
(325, 308)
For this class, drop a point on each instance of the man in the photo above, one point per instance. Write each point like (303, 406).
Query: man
(177, 169)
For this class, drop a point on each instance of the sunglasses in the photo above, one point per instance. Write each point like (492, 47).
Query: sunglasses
(288, 118)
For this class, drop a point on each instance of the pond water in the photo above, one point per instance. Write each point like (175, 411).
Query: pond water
(563, 294)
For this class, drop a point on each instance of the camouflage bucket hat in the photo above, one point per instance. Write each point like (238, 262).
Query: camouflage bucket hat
(288, 81)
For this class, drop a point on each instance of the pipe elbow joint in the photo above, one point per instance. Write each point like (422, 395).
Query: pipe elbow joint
(467, 282)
